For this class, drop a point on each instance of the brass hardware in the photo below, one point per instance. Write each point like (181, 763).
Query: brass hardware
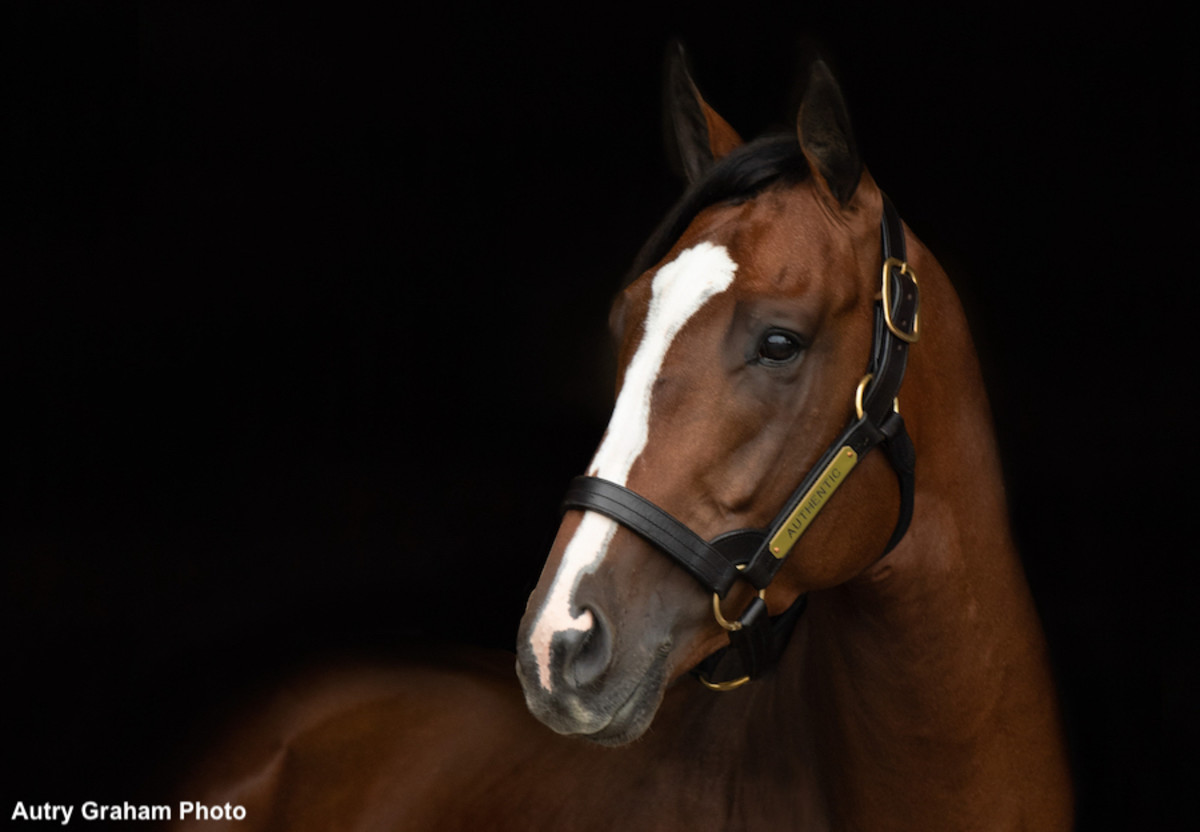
(731, 626)
(907, 337)
(813, 501)
(858, 396)
(724, 686)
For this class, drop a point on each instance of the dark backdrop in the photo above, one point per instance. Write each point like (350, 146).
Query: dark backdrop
(303, 333)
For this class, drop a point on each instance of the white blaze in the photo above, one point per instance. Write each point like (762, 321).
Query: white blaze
(679, 290)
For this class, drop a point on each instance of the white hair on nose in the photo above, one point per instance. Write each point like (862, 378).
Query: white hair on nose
(678, 291)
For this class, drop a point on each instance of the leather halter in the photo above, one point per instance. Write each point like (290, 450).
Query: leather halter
(757, 555)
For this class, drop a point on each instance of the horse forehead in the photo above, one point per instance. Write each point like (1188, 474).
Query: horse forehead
(685, 286)
(783, 244)
(669, 296)
(783, 241)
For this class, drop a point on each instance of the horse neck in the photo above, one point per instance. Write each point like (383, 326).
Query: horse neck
(917, 695)
(925, 679)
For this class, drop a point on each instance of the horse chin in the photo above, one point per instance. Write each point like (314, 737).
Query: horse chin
(615, 713)
(631, 719)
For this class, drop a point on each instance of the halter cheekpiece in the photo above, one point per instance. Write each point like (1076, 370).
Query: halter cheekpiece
(756, 555)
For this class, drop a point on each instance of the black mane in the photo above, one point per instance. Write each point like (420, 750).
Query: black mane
(744, 172)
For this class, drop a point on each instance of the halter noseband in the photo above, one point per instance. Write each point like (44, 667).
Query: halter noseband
(757, 555)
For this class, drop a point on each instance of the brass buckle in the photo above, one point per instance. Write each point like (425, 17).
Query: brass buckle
(896, 263)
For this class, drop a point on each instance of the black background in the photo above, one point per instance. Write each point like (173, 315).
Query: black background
(303, 321)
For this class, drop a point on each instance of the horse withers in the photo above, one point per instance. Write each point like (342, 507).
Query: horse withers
(797, 500)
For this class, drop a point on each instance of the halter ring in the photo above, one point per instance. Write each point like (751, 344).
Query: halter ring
(732, 684)
(731, 626)
(858, 396)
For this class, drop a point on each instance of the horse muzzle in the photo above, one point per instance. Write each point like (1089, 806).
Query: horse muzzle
(589, 691)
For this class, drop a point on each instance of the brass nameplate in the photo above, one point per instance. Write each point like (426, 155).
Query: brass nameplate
(813, 502)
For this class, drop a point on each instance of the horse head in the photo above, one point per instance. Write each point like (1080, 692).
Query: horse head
(742, 340)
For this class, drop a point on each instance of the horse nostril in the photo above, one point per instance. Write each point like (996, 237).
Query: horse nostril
(586, 653)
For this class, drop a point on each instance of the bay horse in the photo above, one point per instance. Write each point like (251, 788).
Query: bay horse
(840, 579)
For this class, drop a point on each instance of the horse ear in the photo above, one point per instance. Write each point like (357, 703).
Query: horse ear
(696, 135)
(823, 127)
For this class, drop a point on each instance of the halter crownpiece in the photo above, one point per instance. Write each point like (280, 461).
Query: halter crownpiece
(756, 555)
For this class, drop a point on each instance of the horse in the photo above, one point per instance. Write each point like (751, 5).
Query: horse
(784, 595)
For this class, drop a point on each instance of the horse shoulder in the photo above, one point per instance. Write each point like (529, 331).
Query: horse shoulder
(431, 743)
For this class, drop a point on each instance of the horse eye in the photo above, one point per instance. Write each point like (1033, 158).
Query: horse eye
(778, 347)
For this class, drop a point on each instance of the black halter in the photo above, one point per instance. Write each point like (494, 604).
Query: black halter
(757, 555)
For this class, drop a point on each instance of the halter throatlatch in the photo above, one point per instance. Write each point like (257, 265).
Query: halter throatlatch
(756, 555)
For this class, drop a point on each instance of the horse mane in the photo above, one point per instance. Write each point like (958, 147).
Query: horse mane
(743, 172)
